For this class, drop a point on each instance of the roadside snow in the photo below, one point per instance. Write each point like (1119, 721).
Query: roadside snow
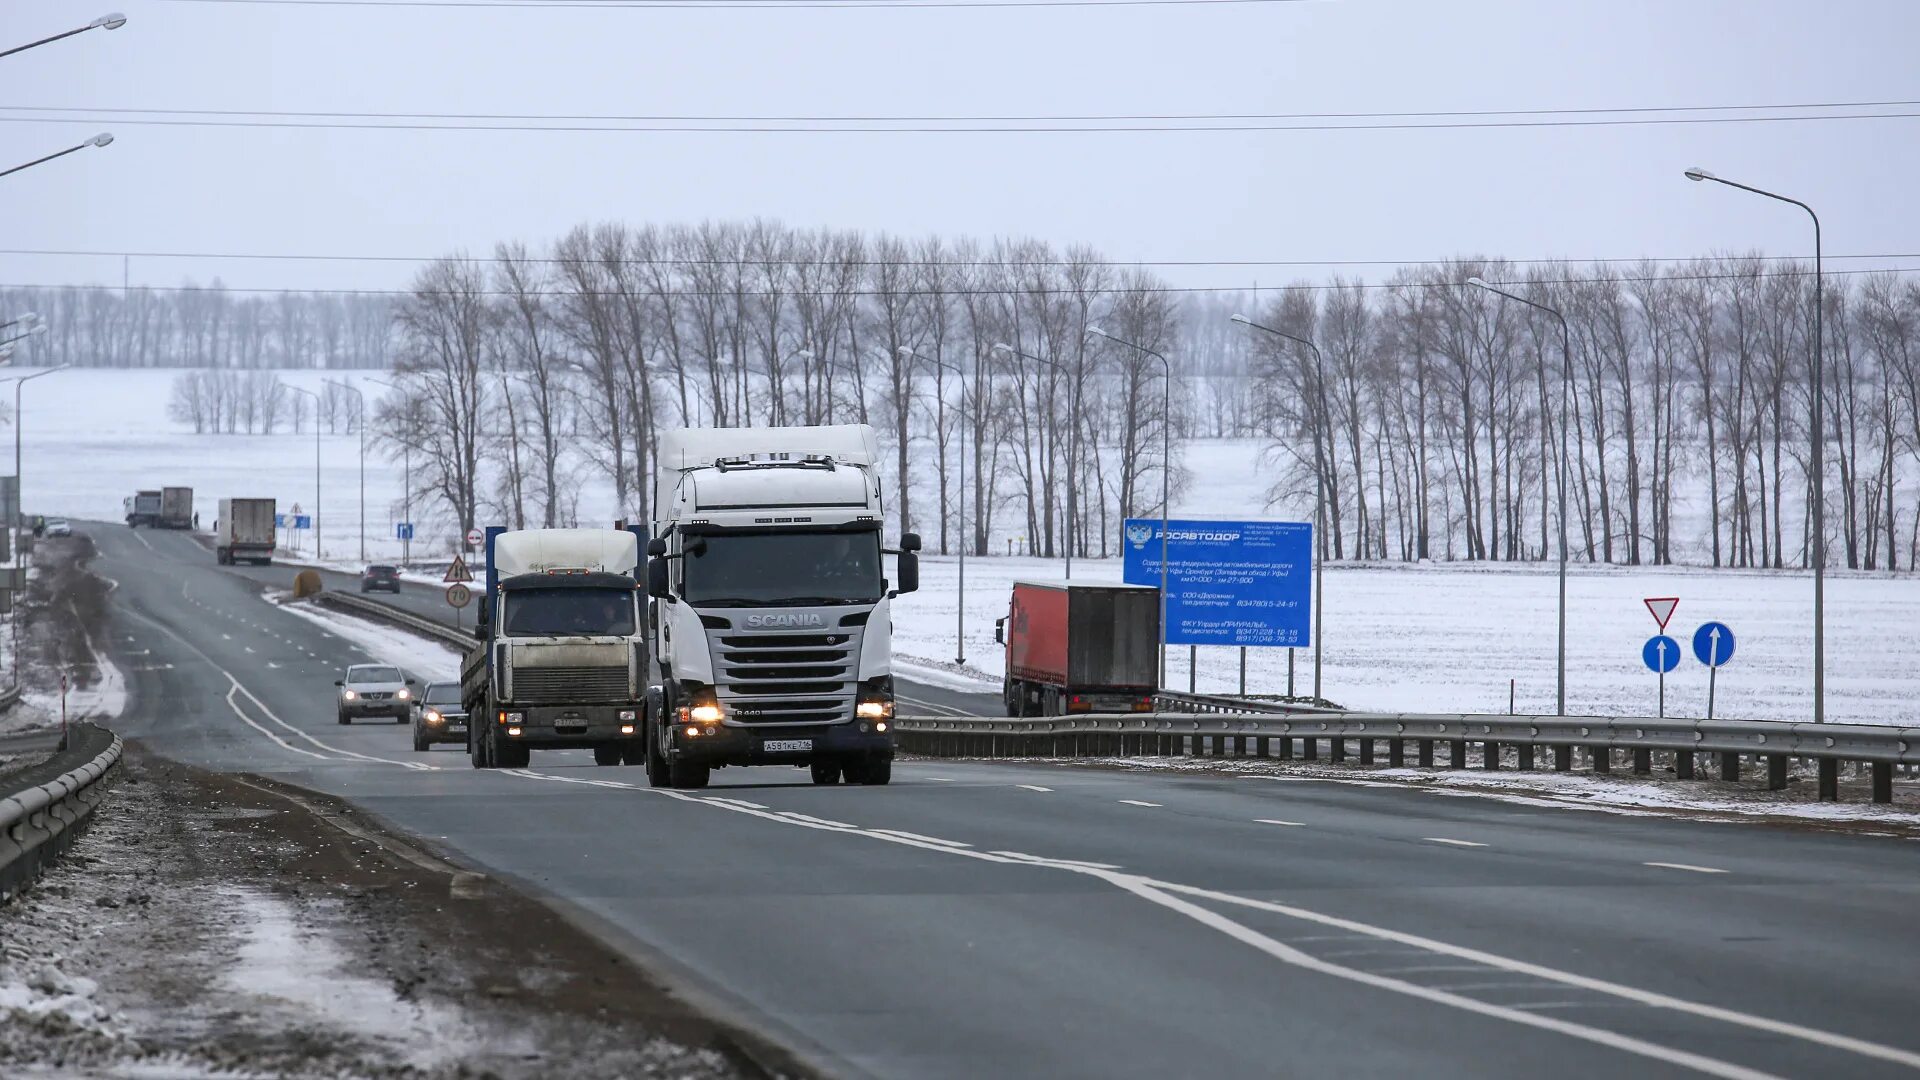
(429, 660)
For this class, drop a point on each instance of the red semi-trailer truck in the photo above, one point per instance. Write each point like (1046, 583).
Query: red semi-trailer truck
(1080, 647)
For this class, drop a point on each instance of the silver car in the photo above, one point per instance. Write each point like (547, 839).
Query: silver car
(374, 690)
(439, 716)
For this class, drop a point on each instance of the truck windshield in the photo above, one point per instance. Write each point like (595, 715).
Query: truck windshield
(755, 569)
(569, 612)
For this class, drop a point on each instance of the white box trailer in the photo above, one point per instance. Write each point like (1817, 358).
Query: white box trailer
(245, 531)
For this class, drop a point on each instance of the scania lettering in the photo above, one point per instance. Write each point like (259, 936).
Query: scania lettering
(771, 626)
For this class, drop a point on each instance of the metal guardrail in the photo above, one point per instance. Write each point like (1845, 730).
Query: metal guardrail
(9, 697)
(41, 816)
(1277, 737)
(1174, 701)
(406, 620)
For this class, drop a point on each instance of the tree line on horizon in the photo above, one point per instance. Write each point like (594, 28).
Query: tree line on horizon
(1431, 415)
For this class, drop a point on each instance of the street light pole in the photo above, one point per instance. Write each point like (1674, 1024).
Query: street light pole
(1819, 450)
(1166, 475)
(406, 476)
(19, 515)
(1566, 374)
(1073, 439)
(105, 22)
(960, 621)
(101, 139)
(1319, 511)
(362, 399)
(316, 465)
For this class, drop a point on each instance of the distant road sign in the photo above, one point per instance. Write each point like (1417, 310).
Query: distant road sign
(1662, 609)
(1713, 644)
(403, 530)
(459, 596)
(1661, 654)
(458, 572)
(1228, 582)
(474, 536)
(279, 521)
(302, 521)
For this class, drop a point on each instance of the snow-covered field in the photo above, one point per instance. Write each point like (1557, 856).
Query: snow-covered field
(1434, 637)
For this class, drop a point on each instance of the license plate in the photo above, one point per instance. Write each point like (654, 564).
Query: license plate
(786, 746)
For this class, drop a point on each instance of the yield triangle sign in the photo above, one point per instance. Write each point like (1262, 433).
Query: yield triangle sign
(1662, 608)
(458, 572)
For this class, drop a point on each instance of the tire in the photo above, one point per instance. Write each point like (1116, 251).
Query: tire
(826, 772)
(879, 772)
(401, 718)
(345, 719)
(658, 774)
(1051, 703)
(633, 752)
(607, 754)
(687, 775)
(511, 755)
(477, 748)
(420, 744)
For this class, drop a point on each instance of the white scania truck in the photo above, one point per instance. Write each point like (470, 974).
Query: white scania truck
(770, 619)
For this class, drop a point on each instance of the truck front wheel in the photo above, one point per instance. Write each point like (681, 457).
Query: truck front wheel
(870, 771)
(658, 774)
(508, 754)
(686, 774)
(826, 772)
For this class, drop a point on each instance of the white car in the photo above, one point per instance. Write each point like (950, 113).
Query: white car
(59, 527)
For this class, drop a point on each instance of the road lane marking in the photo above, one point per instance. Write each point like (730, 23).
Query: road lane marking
(1685, 866)
(1033, 787)
(1277, 821)
(1446, 840)
(811, 820)
(736, 802)
(918, 836)
(941, 779)
(1137, 802)
(1169, 894)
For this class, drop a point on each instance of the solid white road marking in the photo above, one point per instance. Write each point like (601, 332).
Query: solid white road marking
(926, 839)
(941, 779)
(1137, 802)
(1685, 866)
(1276, 821)
(1033, 787)
(811, 820)
(1455, 843)
(736, 802)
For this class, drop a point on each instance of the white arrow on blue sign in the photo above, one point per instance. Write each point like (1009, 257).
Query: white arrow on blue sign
(1713, 644)
(1661, 654)
(403, 530)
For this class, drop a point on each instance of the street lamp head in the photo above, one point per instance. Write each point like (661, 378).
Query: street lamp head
(1697, 173)
(1241, 319)
(805, 354)
(38, 330)
(1479, 283)
(1097, 332)
(1002, 347)
(101, 139)
(113, 21)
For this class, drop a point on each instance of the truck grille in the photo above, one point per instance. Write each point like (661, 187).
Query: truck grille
(787, 678)
(568, 685)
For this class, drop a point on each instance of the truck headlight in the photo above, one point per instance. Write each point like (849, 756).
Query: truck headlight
(705, 714)
(702, 707)
(512, 717)
(874, 709)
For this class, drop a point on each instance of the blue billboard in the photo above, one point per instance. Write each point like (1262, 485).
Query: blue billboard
(1228, 582)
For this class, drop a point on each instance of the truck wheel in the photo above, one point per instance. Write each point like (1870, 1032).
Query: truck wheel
(511, 755)
(826, 772)
(606, 754)
(1050, 704)
(477, 749)
(879, 771)
(686, 774)
(633, 752)
(658, 774)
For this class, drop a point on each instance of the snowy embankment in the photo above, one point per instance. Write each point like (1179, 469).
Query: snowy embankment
(428, 661)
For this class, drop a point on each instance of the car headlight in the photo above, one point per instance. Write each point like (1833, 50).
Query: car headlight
(404, 694)
(348, 695)
(432, 717)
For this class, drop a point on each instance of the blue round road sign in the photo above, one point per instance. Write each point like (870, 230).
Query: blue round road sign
(1661, 654)
(1713, 644)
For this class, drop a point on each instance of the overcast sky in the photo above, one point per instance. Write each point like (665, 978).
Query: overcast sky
(1249, 195)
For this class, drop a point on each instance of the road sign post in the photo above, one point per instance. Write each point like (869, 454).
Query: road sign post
(1662, 654)
(1712, 646)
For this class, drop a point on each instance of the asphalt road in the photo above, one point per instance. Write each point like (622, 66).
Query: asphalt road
(1032, 920)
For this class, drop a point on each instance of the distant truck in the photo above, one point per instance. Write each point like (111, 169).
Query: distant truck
(772, 624)
(143, 508)
(176, 508)
(561, 655)
(1080, 647)
(245, 532)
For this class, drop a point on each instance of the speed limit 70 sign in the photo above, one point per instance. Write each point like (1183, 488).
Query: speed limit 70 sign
(459, 595)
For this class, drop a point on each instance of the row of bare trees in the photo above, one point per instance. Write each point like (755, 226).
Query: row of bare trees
(222, 401)
(1433, 413)
(207, 327)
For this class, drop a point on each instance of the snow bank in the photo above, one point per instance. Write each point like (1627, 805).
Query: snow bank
(427, 660)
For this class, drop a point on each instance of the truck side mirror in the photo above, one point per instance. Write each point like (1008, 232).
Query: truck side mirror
(656, 547)
(657, 577)
(909, 569)
(1000, 630)
(909, 542)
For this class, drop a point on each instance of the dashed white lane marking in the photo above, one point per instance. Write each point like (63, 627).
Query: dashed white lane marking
(924, 839)
(1170, 895)
(941, 779)
(736, 802)
(1685, 866)
(1033, 787)
(1138, 802)
(1448, 840)
(1276, 821)
(807, 819)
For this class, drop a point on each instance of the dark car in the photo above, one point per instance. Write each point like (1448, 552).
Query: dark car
(439, 717)
(377, 690)
(385, 578)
